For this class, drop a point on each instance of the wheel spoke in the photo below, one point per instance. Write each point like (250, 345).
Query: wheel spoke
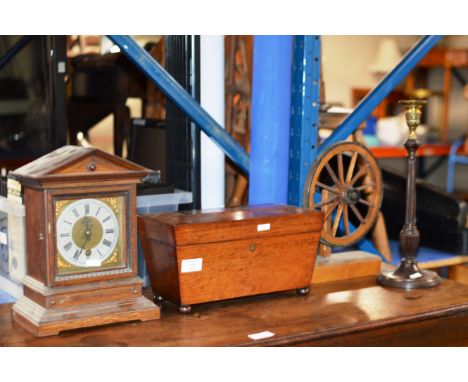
(340, 168)
(332, 208)
(332, 174)
(333, 190)
(325, 202)
(360, 173)
(339, 212)
(346, 219)
(364, 186)
(356, 212)
(363, 201)
(346, 184)
(352, 164)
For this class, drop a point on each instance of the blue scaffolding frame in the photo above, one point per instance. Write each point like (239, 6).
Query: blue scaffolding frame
(304, 146)
(304, 141)
(14, 50)
(305, 102)
(177, 94)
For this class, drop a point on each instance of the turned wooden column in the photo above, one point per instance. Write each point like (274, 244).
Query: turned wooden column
(408, 275)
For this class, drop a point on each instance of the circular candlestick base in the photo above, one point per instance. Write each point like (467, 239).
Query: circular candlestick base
(408, 276)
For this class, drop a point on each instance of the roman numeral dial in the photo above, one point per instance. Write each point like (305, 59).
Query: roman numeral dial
(87, 232)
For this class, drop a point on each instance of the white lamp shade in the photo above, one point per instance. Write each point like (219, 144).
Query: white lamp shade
(388, 56)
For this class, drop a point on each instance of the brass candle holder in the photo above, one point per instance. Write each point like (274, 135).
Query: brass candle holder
(408, 275)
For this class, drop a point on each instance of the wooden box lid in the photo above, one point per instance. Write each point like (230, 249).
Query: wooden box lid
(209, 226)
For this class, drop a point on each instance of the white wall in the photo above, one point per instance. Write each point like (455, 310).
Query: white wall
(212, 100)
(346, 63)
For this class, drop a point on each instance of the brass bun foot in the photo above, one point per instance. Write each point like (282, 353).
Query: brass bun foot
(302, 291)
(185, 309)
(409, 276)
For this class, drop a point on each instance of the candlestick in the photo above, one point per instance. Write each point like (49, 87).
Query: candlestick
(408, 275)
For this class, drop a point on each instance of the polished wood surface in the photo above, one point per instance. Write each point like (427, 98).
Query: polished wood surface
(355, 312)
(241, 252)
(345, 266)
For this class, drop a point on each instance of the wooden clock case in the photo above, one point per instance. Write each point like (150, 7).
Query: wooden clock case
(53, 302)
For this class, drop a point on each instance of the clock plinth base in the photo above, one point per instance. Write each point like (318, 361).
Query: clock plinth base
(48, 311)
(47, 322)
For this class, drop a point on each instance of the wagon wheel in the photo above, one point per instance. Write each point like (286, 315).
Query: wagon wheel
(345, 183)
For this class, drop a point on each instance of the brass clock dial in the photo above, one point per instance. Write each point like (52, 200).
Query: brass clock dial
(88, 233)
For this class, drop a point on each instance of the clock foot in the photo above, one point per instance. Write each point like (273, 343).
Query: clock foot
(158, 300)
(185, 309)
(46, 322)
(302, 291)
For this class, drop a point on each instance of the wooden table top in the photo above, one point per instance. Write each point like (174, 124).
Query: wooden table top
(355, 312)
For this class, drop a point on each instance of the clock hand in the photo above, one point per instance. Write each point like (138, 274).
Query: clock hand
(88, 252)
(88, 229)
(87, 234)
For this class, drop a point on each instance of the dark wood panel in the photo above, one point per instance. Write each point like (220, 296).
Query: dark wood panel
(36, 234)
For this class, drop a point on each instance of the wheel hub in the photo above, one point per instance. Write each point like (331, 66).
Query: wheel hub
(351, 196)
(345, 184)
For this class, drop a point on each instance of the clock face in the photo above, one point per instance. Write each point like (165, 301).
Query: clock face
(89, 234)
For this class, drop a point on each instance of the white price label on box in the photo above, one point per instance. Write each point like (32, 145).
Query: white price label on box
(192, 265)
(263, 227)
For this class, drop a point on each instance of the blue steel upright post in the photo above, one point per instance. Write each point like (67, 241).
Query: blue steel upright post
(271, 97)
(305, 102)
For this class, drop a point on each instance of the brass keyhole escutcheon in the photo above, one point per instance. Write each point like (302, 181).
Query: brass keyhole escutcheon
(252, 247)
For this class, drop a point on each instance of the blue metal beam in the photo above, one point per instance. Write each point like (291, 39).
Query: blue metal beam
(305, 102)
(14, 50)
(177, 94)
(373, 99)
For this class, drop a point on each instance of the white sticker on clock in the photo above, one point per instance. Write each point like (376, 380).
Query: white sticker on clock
(93, 263)
(263, 227)
(192, 265)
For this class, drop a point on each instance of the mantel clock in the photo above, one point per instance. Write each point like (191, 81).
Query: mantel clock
(81, 242)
